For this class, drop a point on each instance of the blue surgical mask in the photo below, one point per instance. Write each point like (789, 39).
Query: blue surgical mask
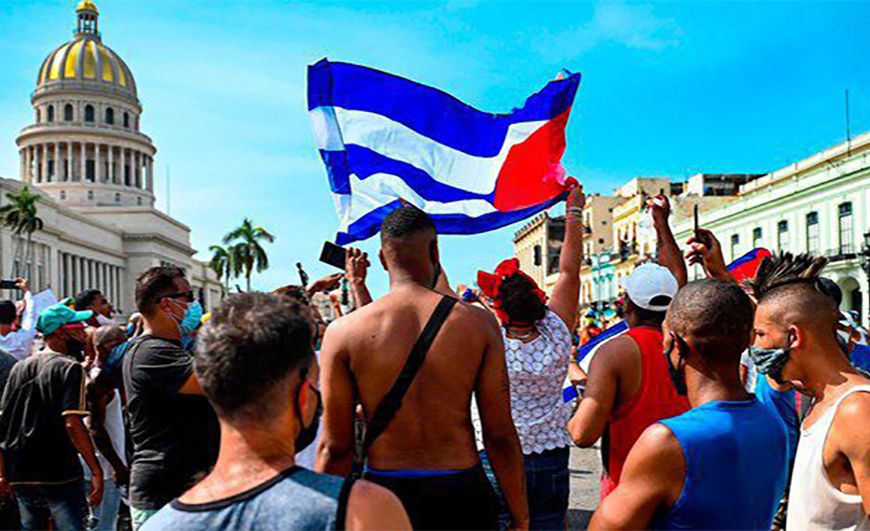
(770, 361)
(131, 329)
(192, 318)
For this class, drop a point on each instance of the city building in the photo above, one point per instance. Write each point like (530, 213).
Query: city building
(819, 205)
(537, 245)
(93, 168)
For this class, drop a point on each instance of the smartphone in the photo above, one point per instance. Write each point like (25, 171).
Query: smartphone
(333, 255)
(8, 284)
(697, 223)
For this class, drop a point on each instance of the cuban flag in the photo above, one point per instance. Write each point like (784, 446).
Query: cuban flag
(745, 267)
(387, 140)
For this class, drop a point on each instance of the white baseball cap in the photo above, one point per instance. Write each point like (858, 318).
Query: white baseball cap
(647, 282)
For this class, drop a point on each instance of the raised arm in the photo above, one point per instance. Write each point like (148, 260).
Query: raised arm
(653, 477)
(355, 271)
(335, 450)
(669, 254)
(602, 386)
(705, 249)
(566, 292)
(499, 433)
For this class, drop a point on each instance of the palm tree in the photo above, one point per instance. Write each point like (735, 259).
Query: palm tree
(20, 216)
(222, 264)
(246, 251)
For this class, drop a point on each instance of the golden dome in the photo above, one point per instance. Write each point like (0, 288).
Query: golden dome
(85, 62)
(87, 4)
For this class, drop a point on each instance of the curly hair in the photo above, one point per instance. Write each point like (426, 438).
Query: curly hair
(520, 302)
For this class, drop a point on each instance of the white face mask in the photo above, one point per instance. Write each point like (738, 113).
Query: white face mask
(103, 320)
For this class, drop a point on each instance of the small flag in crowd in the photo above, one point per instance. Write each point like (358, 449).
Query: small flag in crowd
(385, 139)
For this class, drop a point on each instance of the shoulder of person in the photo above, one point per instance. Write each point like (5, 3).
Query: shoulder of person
(851, 416)
(616, 350)
(659, 447)
(370, 504)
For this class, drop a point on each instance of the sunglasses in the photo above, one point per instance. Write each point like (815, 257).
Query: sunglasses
(183, 295)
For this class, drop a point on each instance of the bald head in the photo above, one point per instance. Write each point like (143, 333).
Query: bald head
(109, 335)
(714, 316)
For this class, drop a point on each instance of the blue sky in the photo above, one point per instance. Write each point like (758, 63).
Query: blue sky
(668, 89)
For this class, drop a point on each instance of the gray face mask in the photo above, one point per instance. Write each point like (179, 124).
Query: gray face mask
(771, 361)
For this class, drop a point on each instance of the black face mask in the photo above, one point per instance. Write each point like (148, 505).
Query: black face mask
(76, 349)
(678, 379)
(307, 434)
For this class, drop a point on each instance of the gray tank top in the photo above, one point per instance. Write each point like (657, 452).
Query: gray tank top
(295, 499)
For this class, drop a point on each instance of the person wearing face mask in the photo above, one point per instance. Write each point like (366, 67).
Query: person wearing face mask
(255, 361)
(796, 345)
(720, 465)
(94, 300)
(173, 430)
(42, 432)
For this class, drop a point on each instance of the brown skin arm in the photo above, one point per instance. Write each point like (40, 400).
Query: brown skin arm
(99, 398)
(602, 389)
(499, 433)
(851, 439)
(705, 249)
(356, 268)
(566, 292)
(669, 254)
(80, 438)
(372, 507)
(335, 451)
(653, 477)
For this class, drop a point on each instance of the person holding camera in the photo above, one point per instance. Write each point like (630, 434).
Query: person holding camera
(18, 341)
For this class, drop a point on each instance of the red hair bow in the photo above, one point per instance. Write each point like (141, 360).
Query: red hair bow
(490, 285)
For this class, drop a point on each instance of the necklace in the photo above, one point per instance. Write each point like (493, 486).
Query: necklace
(530, 333)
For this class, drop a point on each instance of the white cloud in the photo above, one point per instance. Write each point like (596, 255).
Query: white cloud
(635, 26)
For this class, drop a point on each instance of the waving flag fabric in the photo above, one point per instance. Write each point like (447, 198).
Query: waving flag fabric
(385, 139)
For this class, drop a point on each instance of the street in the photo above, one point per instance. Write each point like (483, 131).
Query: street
(585, 473)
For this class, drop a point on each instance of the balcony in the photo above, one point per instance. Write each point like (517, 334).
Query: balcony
(841, 254)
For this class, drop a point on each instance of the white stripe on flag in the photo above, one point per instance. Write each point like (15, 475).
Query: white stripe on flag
(337, 127)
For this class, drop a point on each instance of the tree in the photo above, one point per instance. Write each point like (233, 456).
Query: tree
(245, 249)
(20, 216)
(222, 264)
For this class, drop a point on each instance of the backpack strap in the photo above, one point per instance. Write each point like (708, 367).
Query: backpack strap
(343, 498)
(392, 401)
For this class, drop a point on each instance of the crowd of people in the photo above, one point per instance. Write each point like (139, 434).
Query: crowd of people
(725, 405)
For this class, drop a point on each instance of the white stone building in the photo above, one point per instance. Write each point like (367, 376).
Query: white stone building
(93, 167)
(819, 205)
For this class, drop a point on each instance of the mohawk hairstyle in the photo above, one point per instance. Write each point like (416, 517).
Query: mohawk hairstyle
(786, 269)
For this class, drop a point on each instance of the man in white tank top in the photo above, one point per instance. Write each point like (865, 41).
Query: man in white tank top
(795, 343)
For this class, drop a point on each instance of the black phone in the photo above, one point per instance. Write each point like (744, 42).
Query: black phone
(697, 223)
(333, 255)
(8, 284)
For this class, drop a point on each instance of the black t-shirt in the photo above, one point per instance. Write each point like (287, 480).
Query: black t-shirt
(40, 391)
(175, 436)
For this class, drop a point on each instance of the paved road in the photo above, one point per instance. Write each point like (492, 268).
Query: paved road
(585, 470)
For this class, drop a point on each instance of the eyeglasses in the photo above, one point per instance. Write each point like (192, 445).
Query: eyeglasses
(184, 295)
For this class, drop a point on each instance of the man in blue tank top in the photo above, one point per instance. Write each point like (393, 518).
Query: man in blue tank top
(256, 364)
(721, 465)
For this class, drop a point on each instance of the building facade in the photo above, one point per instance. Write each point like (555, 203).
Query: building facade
(537, 245)
(93, 169)
(819, 205)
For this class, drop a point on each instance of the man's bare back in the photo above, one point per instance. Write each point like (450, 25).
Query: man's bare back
(433, 428)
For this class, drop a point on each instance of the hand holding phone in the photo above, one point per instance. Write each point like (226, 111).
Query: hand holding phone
(333, 255)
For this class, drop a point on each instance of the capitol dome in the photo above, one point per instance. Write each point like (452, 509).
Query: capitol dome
(85, 62)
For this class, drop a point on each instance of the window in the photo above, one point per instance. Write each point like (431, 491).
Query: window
(782, 235)
(50, 170)
(89, 113)
(63, 195)
(51, 113)
(735, 242)
(117, 198)
(756, 237)
(139, 202)
(601, 241)
(38, 116)
(90, 171)
(538, 259)
(813, 232)
(90, 195)
(110, 116)
(68, 112)
(845, 215)
(127, 120)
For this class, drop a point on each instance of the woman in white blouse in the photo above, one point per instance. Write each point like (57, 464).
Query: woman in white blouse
(537, 340)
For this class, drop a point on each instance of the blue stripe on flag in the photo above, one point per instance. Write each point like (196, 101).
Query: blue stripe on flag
(366, 163)
(336, 170)
(369, 224)
(613, 331)
(431, 112)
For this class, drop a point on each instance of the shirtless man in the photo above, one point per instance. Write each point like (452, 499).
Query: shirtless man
(427, 453)
(795, 343)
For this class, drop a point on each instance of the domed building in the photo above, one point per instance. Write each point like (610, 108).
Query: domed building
(93, 168)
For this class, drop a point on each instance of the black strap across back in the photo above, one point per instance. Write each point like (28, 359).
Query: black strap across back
(393, 399)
